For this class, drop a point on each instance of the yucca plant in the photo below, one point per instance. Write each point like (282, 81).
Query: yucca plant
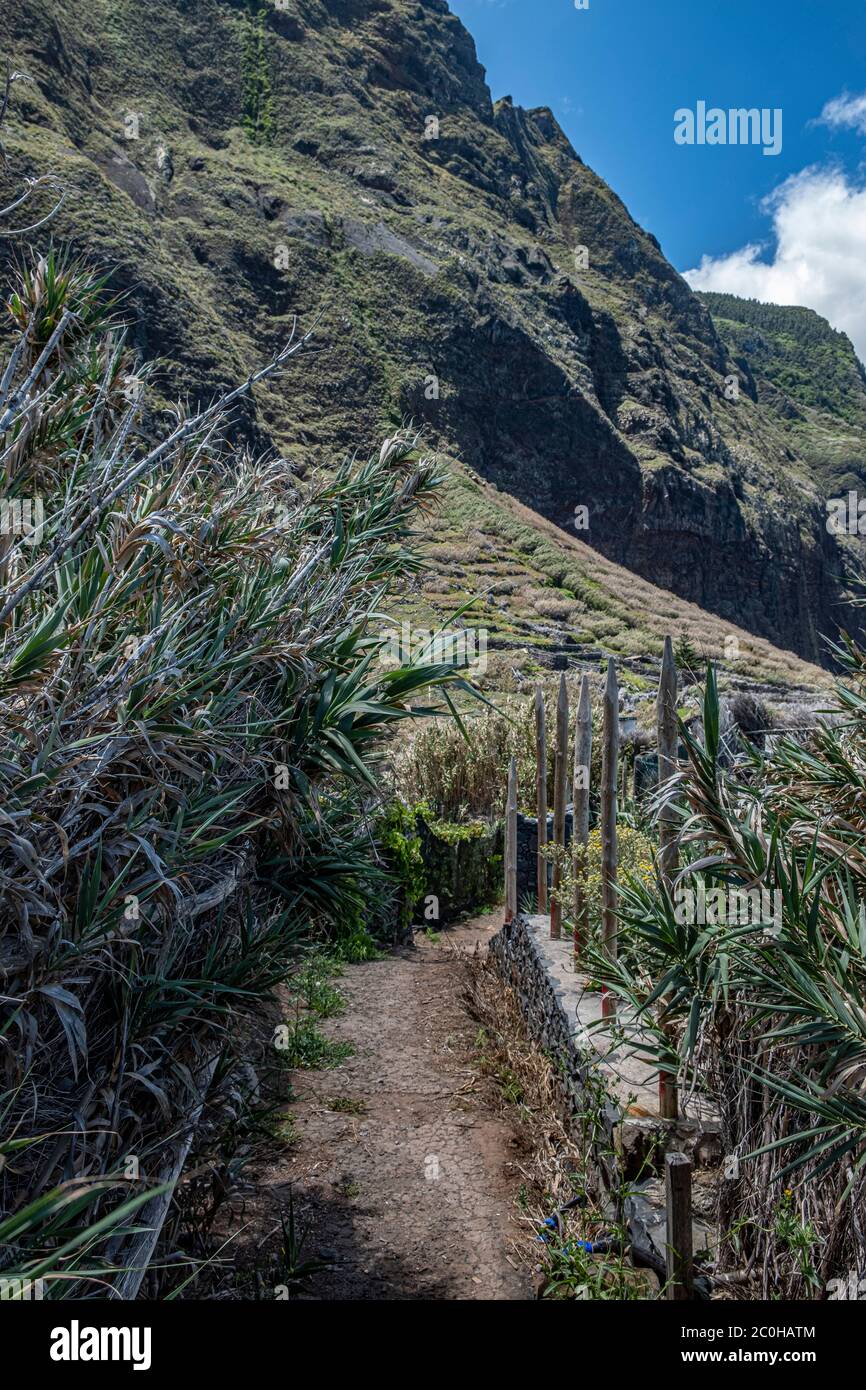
(769, 1017)
(192, 713)
(53, 1247)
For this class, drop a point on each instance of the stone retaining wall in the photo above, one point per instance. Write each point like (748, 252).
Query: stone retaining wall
(464, 874)
(550, 1018)
(595, 1093)
(527, 854)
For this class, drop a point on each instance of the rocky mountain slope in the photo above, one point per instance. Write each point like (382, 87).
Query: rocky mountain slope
(807, 376)
(240, 163)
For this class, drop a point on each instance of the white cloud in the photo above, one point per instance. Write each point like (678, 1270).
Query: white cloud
(847, 111)
(819, 261)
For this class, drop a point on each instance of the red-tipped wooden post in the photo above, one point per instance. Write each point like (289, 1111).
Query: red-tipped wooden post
(609, 759)
(560, 792)
(511, 844)
(580, 801)
(678, 1244)
(541, 796)
(666, 710)
(666, 714)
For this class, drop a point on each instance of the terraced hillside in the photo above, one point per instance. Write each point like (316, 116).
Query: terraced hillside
(547, 600)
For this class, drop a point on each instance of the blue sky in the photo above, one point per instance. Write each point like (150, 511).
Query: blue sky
(791, 227)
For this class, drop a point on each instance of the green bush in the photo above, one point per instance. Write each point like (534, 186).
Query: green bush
(192, 711)
(397, 833)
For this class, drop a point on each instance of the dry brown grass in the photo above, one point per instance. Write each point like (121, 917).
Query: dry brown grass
(553, 1167)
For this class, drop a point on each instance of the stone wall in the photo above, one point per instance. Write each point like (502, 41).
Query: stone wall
(610, 1099)
(550, 1015)
(527, 854)
(464, 874)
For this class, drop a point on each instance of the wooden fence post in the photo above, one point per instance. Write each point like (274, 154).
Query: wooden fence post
(580, 801)
(678, 1256)
(541, 796)
(666, 710)
(511, 844)
(609, 757)
(560, 783)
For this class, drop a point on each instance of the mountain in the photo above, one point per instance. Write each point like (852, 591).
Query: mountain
(807, 376)
(242, 163)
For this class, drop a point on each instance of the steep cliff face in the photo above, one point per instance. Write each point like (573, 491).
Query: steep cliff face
(241, 163)
(807, 376)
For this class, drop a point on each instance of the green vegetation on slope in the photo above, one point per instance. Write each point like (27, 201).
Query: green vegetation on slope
(258, 93)
(541, 591)
(279, 164)
(805, 374)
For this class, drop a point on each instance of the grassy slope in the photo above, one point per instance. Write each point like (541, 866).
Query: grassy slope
(539, 591)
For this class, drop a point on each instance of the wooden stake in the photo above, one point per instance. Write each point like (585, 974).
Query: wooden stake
(666, 713)
(560, 784)
(541, 796)
(666, 710)
(679, 1255)
(609, 758)
(580, 801)
(511, 844)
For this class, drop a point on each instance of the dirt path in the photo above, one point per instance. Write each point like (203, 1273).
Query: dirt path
(408, 1187)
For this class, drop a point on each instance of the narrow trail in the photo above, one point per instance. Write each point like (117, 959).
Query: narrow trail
(408, 1189)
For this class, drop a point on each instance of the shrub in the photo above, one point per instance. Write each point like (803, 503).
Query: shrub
(636, 861)
(191, 720)
(397, 833)
(769, 1023)
(460, 770)
(750, 714)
